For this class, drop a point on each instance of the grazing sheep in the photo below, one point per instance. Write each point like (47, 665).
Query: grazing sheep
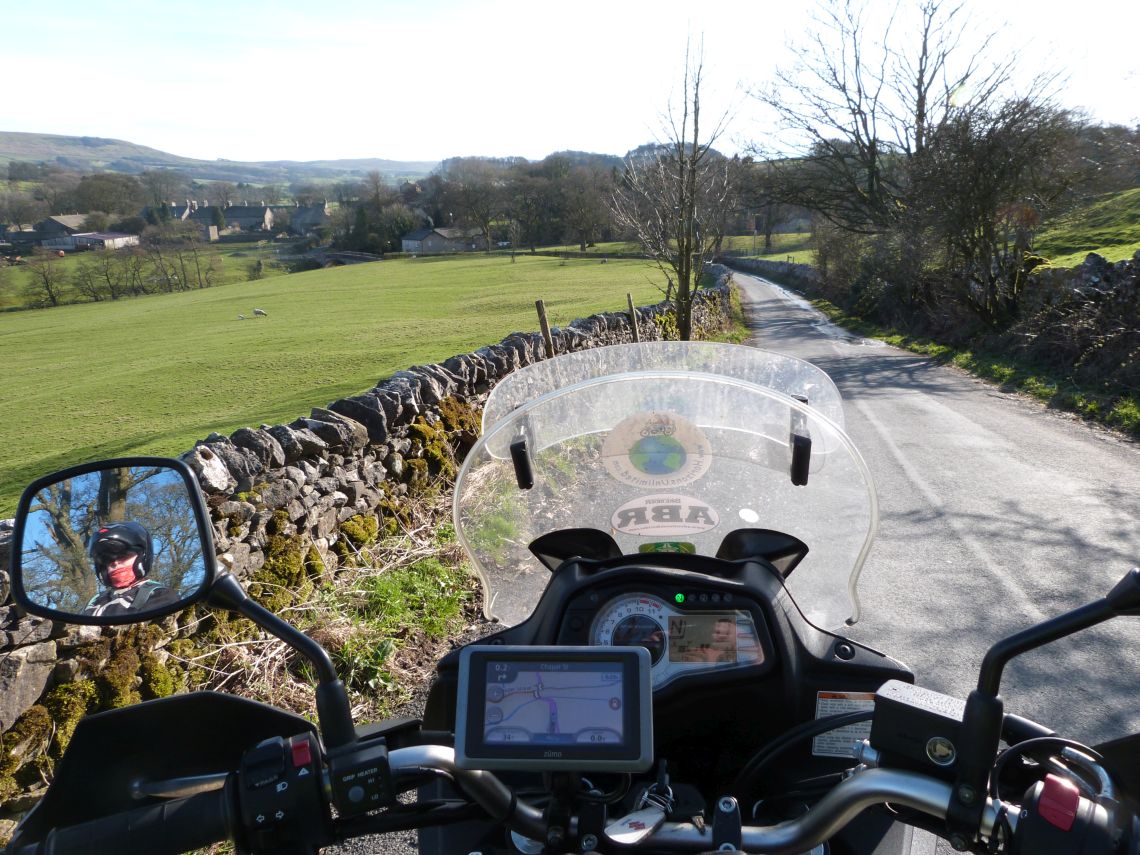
(261, 312)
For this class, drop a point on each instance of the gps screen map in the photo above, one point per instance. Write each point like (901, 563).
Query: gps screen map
(553, 708)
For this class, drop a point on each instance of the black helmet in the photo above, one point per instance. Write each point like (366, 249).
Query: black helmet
(115, 540)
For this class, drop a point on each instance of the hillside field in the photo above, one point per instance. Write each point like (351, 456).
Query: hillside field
(155, 374)
(1108, 226)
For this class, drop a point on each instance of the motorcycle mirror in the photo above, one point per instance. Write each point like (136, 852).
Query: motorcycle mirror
(1124, 598)
(113, 542)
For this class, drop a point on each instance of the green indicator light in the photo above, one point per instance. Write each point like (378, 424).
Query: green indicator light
(680, 598)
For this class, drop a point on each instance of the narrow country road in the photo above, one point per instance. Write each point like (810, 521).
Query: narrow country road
(995, 514)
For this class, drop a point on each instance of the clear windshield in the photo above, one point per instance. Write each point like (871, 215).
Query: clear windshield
(667, 459)
(777, 371)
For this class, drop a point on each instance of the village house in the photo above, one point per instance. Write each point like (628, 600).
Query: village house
(306, 219)
(439, 241)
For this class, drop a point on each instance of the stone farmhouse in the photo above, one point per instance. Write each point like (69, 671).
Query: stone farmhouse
(440, 241)
(302, 219)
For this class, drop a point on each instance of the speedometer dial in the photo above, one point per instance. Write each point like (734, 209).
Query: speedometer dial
(679, 642)
(638, 620)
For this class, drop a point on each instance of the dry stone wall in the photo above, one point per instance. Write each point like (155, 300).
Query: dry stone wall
(319, 485)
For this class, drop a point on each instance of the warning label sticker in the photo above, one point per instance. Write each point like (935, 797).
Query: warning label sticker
(839, 743)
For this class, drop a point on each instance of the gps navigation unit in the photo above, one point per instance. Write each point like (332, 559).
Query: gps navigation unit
(554, 708)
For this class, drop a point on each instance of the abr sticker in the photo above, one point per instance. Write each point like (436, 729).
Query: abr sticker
(656, 450)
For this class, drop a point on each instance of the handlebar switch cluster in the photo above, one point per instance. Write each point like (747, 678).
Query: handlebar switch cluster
(279, 792)
(1056, 818)
(361, 777)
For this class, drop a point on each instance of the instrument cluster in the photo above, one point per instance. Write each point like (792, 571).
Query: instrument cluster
(715, 634)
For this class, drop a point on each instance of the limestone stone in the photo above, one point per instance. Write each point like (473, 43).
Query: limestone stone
(263, 445)
(211, 471)
(24, 674)
(290, 445)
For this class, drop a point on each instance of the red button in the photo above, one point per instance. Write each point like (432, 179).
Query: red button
(301, 754)
(1059, 802)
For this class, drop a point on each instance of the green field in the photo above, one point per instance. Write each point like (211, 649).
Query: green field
(155, 374)
(233, 259)
(795, 246)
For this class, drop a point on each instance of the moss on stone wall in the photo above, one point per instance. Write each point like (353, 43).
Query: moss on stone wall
(361, 530)
(419, 482)
(158, 681)
(23, 751)
(315, 565)
(282, 581)
(68, 703)
(357, 533)
(117, 682)
(459, 416)
(430, 441)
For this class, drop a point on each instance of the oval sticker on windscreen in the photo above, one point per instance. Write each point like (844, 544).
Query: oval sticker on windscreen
(666, 515)
(656, 450)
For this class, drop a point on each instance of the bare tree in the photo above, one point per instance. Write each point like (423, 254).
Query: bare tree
(860, 107)
(918, 146)
(376, 191)
(221, 192)
(162, 186)
(105, 274)
(986, 179)
(585, 192)
(474, 186)
(48, 280)
(675, 196)
(21, 207)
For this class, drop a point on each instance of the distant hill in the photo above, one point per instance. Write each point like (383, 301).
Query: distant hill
(98, 154)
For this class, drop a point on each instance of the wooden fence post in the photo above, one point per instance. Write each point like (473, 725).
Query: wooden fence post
(633, 318)
(545, 326)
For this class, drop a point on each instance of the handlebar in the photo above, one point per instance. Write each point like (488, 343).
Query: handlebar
(484, 788)
(184, 824)
(831, 814)
(834, 811)
(178, 825)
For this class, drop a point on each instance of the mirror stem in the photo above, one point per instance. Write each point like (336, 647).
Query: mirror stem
(332, 699)
(989, 678)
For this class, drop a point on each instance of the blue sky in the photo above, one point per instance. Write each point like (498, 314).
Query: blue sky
(256, 80)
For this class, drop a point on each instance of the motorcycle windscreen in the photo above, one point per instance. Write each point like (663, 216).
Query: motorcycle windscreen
(788, 374)
(667, 460)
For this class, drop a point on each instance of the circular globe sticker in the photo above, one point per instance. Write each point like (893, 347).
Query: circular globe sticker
(656, 450)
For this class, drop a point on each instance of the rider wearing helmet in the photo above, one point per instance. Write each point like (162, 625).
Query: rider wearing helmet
(122, 554)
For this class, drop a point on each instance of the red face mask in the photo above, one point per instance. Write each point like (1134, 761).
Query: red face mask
(121, 571)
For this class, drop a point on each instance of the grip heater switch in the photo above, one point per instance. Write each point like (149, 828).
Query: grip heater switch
(264, 764)
(361, 778)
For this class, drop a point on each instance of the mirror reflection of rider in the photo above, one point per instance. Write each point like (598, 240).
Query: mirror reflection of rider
(122, 554)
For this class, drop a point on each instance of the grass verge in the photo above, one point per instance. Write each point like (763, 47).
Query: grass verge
(1115, 410)
(385, 624)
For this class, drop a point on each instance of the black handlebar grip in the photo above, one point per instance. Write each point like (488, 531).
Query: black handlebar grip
(168, 828)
